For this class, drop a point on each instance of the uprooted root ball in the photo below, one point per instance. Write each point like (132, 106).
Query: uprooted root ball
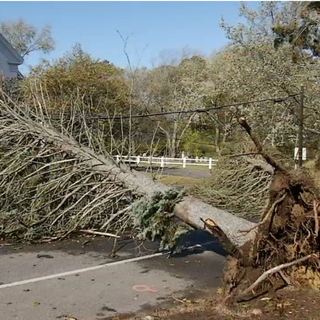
(286, 247)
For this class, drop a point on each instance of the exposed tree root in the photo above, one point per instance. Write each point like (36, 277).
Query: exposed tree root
(268, 273)
(268, 216)
(286, 237)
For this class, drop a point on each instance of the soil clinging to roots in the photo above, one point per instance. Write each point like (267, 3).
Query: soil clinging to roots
(285, 250)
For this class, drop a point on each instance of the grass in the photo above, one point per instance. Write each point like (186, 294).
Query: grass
(176, 181)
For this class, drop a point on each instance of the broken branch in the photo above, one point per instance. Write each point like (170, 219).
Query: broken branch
(269, 272)
(98, 233)
(267, 216)
(258, 145)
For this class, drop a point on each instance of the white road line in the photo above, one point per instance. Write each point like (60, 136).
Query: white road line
(111, 264)
(69, 273)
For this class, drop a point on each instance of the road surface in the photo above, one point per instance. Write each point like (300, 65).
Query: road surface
(70, 279)
(180, 172)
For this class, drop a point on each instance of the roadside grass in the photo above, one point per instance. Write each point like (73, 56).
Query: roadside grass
(175, 181)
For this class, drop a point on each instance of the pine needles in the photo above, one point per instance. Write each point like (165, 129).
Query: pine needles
(48, 192)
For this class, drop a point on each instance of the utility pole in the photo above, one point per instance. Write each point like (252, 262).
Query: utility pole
(300, 133)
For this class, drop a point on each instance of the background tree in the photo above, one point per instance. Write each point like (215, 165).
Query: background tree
(26, 38)
(250, 68)
(77, 86)
(259, 24)
(172, 87)
(101, 86)
(301, 30)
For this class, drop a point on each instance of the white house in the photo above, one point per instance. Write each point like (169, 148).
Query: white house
(10, 59)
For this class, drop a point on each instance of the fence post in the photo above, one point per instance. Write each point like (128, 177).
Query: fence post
(138, 160)
(197, 159)
(210, 163)
(184, 162)
(162, 162)
(118, 158)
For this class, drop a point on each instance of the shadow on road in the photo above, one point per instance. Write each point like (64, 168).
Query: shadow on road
(193, 243)
(198, 241)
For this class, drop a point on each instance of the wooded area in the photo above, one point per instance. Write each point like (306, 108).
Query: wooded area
(184, 81)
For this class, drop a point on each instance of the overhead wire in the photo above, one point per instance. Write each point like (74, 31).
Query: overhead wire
(204, 110)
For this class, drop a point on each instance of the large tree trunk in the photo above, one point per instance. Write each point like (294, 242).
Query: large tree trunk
(195, 212)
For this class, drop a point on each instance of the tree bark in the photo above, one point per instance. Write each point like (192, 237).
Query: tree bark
(217, 139)
(193, 212)
(173, 148)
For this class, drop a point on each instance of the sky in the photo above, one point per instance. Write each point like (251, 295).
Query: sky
(152, 27)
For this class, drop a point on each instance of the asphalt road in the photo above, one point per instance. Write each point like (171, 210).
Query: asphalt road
(70, 279)
(179, 172)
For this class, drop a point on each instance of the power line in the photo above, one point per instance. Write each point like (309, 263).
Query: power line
(277, 100)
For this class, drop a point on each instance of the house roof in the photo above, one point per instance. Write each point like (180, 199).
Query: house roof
(10, 52)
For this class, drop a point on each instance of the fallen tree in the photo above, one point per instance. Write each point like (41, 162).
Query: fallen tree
(22, 128)
(260, 254)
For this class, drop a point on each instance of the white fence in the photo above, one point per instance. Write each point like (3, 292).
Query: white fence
(163, 161)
